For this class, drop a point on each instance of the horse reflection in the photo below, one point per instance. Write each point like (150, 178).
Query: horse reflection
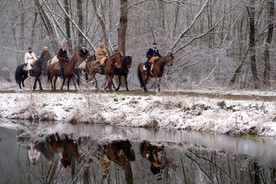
(119, 152)
(154, 154)
(54, 144)
(67, 148)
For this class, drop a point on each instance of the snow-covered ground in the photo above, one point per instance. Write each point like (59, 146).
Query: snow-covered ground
(151, 111)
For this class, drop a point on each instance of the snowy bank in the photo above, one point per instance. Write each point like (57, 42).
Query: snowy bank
(227, 116)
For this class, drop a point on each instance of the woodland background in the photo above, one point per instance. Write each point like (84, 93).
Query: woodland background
(216, 43)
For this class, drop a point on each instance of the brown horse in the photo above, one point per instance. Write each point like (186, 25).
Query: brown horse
(66, 147)
(119, 152)
(154, 154)
(114, 61)
(157, 71)
(54, 71)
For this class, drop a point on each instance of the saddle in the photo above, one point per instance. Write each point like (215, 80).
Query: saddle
(25, 67)
(57, 66)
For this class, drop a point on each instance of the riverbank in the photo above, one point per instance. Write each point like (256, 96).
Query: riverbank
(181, 111)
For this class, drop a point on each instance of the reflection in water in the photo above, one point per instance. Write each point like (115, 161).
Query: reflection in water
(119, 152)
(45, 158)
(157, 157)
(52, 144)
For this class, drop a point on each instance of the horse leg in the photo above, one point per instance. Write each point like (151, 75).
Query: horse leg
(158, 80)
(74, 82)
(23, 79)
(68, 82)
(34, 87)
(126, 82)
(95, 80)
(39, 82)
(63, 82)
(55, 80)
(109, 83)
(119, 85)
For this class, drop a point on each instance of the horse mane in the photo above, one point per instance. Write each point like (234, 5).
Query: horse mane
(114, 55)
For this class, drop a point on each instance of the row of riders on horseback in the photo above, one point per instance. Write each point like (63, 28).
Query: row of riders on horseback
(100, 62)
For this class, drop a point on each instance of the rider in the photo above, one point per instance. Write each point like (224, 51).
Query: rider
(101, 55)
(62, 58)
(45, 53)
(153, 51)
(83, 53)
(30, 58)
(116, 50)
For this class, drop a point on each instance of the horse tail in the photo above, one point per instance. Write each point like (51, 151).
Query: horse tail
(17, 75)
(142, 145)
(140, 76)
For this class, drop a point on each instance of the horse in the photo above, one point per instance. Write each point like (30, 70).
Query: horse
(54, 71)
(54, 144)
(154, 154)
(123, 71)
(157, 71)
(66, 147)
(114, 61)
(119, 152)
(21, 73)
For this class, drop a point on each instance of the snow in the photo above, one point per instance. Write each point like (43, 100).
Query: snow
(169, 112)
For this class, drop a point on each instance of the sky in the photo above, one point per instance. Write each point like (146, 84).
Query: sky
(182, 112)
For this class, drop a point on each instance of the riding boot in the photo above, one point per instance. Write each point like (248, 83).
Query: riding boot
(147, 68)
(101, 69)
(147, 71)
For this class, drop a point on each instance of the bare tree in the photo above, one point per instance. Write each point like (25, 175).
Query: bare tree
(252, 43)
(267, 68)
(123, 26)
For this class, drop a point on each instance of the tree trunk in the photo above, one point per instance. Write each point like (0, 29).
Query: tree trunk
(67, 26)
(267, 68)
(48, 25)
(122, 26)
(252, 44)
(101, 21)
(80, 21)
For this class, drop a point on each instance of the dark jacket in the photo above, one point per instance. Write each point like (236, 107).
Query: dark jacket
(152, 52)
(62, 57)
(84, 54)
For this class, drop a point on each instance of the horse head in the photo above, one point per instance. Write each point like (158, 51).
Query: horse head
(169, 59)
(116, 59)
(128, 61)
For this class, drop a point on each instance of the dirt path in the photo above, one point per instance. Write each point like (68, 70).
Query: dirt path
(198, 94)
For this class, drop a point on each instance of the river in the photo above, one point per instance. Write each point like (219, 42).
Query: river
(172, 156)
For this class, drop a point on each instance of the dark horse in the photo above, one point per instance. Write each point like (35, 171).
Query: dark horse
(114, 61)
(123, 71)
(157, 71)
(21, 73)
(54, 71)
